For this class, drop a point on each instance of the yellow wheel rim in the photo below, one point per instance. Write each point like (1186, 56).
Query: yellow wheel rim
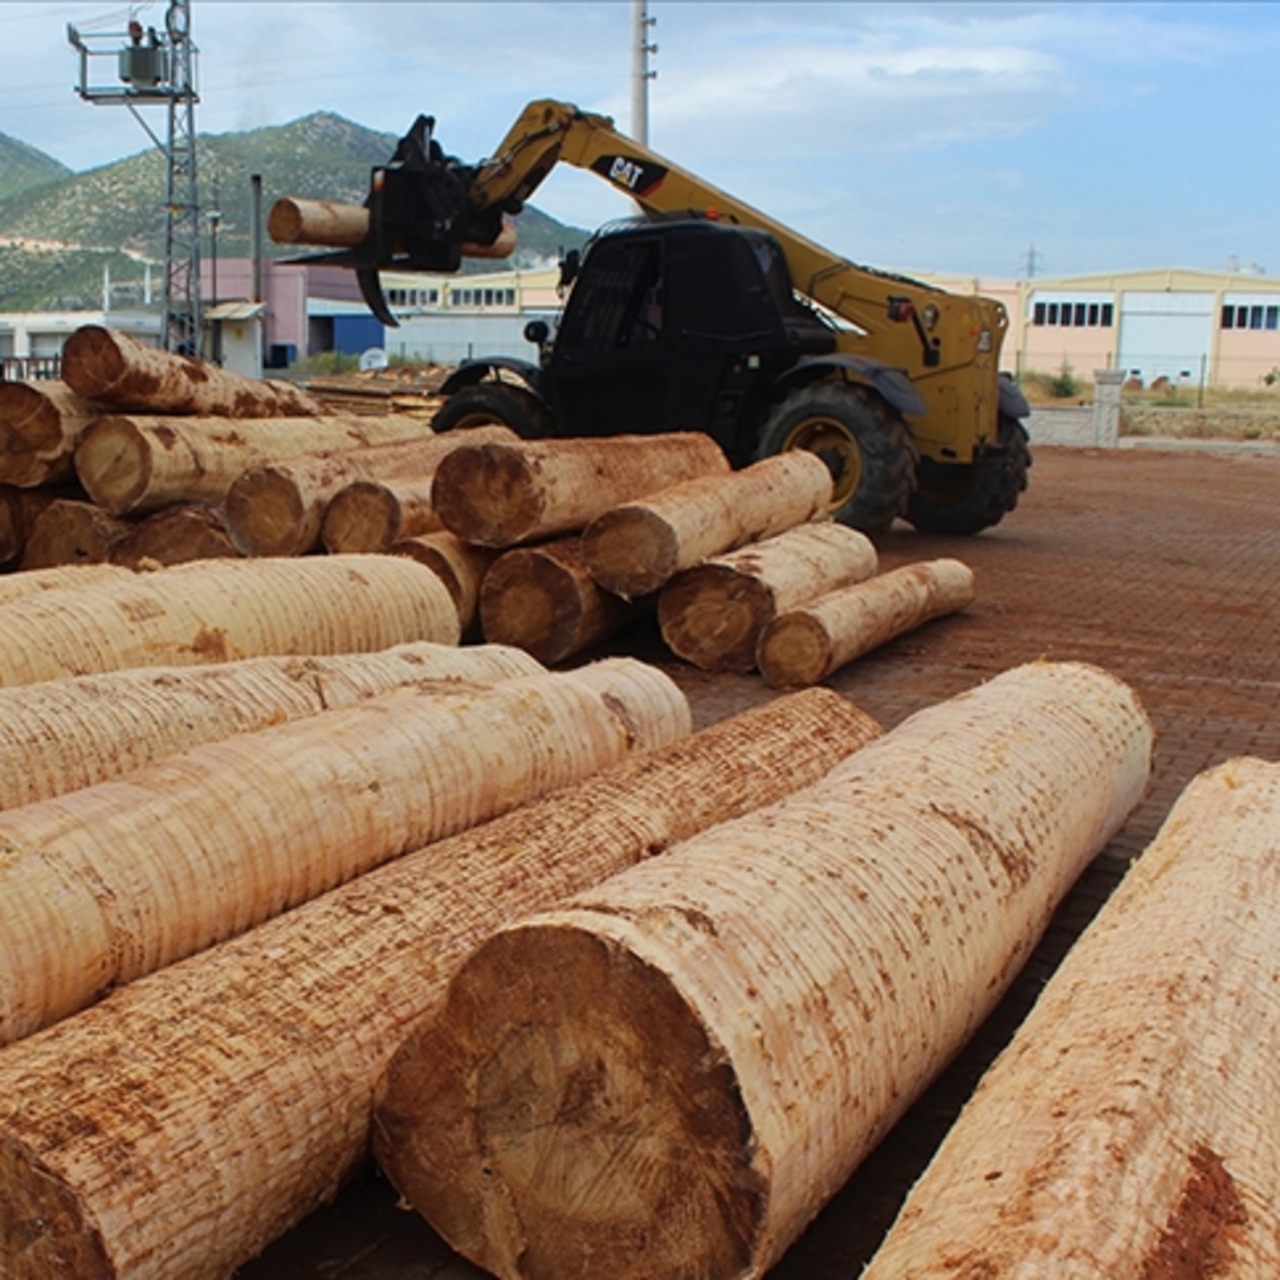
(836, 445)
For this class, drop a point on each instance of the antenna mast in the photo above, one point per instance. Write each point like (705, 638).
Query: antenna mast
(641, 48)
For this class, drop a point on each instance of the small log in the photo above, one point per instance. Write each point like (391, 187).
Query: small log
(634, 549)
(176, 535)
(258, 1059)
(544, 601)
(72, 532)
(220, 610)
(1129, 1129)
(498, 495)
(61, 735)
(370, 515)
(19, 510)
(674, 1071)
(135, 465)
(712, 615)
(116, 369)
(40, 425)
(460, 565)
(277, 509)
(32, 582)
(807, 643)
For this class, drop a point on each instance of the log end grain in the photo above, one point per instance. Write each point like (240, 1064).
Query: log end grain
(794, 651)
(68, 532)
(361, 516)
(460, 566)
(267, 515)
(94, 361)
(113, 462)
(531, 601)
(574, 1117)
(487, 494)
(631, 551)
(712, 616)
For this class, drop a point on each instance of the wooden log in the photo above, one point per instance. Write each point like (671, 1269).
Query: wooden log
(115, 369)
(69, 531)
(191, 1117)
(141, 464)
(712, 615)
(807, 643)
(19, 510)
(371, 515)
(460, 565)
(219, 610)
(675, 1070)
(498, 495)
(103, 885)
(1129, 1128)
(277, 509)
(176, 535)
(40, 424)
(61, 735)
(543, 600)
(634, 549)
(33, 582)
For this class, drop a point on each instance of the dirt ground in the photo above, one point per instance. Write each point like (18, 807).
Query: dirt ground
(1162, 567)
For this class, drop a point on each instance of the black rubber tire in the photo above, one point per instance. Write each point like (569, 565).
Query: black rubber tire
(490, 402)
(862, 439)
(965, 498)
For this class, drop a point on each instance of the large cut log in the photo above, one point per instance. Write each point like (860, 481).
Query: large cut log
(371, 515)
(1130, 1127)
(218, 610)
(103, 885)
(141, 464)
(19, 510)
(460, 565)
(40, 425)
(277, 509)
(69, 531)
(712, 615)
(34, 582)
(116, 369)
(499, 495)
(543, 600)
(636, 548)
(191, 1117)
(175, 535)
(60, 735)
(807, 643)
(675, 1070)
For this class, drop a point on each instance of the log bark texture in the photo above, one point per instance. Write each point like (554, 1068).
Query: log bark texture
(371, 515)
(176, 1128)
(675, 1070)
(1130, 1127)
(636, 548)
(115, 369)
(61, 735)
(499, 495)
(19, 510)
(277, 509)
(176, 535)
(218, 610)
(139, 464)
(806, 644)
(103, 885)
(712, 615)
(543, 600)
(460, 565)
(40, 425)
(69, 531)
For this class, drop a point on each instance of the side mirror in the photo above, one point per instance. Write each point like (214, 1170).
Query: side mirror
(569, 266)
(537, 332)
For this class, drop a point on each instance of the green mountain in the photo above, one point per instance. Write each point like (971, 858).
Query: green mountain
(23, 167)
(116, 211)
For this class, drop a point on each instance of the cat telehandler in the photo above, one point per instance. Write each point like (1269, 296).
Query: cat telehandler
(707, 315)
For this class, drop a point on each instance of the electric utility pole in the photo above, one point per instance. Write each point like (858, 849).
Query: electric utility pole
(641, 48)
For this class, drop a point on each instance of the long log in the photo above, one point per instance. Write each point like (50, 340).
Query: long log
(277, 509)
(712, 615)
(219, 610)
(543, 600)
(69, 531)
(19, 510)
(33, 582)
(371, 515)
(674, 1071)
(103, 885)
(807, 643)
(40, 425)
(499, 495)
(61, 735)
(460, 565)
(636, 548)
(176, 535)
(1129, 1129)
(116, 369)
(191, 1117)
(135, 464)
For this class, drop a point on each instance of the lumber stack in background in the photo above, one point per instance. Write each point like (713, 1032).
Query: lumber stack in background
(718, 1036)
(461, 567)
(1129, 1128)
(40, 425)
(191, 1117)
(103, 885)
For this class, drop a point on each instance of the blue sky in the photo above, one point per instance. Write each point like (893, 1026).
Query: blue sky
(928, 137)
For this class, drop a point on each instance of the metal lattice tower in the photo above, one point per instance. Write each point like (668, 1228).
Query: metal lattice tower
(160, 68)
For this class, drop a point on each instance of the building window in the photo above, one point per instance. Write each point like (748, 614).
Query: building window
(1093, 315)
(1255, 317)
(1107, 311)
(1053, 313)
(1039, 313)
(1080, 312)
(1273, 317)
